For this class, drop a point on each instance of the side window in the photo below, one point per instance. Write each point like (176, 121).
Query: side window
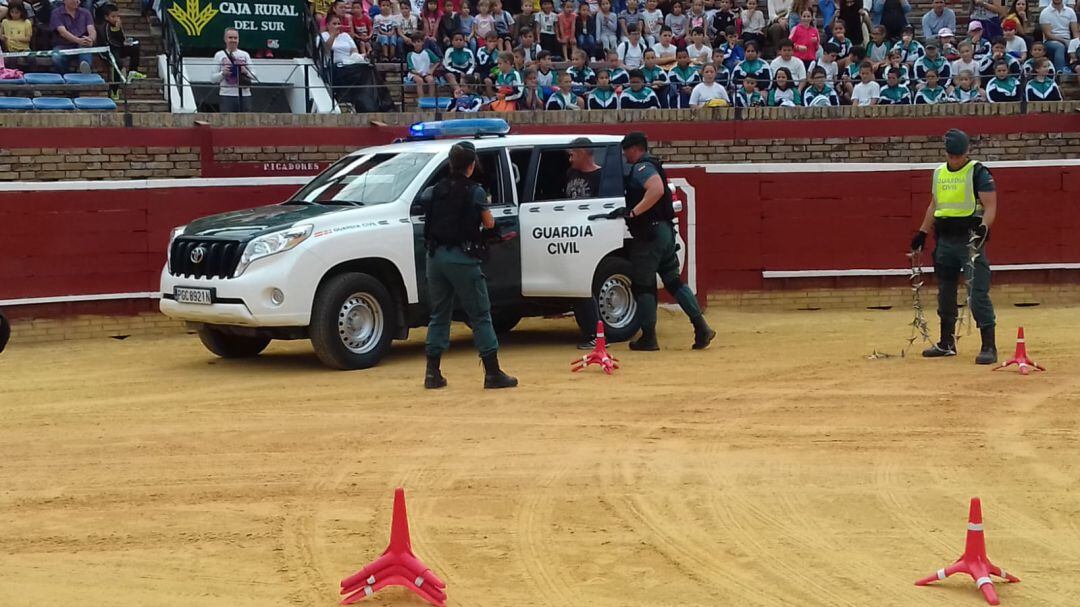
(487, 174)
(519, 168)
(551, 175)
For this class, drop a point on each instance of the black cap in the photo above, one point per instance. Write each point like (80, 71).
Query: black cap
(956, 142)
(634, 139)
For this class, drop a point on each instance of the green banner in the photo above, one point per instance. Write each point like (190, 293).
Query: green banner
(263, 24)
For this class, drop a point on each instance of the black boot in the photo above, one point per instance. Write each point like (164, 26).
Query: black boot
(947, 345)
(645, 343)
(988, 354)
(494, 378)
(703, 334)
(433, 378)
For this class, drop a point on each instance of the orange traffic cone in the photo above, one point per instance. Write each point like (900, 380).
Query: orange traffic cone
(1020, 358)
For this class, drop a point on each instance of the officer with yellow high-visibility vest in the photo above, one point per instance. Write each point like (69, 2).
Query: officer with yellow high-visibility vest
(962, 209)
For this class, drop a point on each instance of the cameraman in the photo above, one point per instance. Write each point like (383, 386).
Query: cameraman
(236, 75)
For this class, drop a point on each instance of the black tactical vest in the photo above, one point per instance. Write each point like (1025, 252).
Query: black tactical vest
(664, 209)
(451, 220)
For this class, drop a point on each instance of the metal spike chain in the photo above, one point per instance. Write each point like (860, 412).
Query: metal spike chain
(919, 328)
(963, 323)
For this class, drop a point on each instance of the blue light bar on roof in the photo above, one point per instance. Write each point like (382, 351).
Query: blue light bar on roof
(466, 127)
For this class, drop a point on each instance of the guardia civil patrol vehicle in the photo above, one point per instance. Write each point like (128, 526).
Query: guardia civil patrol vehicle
(342, 262)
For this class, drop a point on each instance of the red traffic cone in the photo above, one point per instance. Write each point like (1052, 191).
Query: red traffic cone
(1020, 358)
(974, 561)
(599, 355)
(397, 566)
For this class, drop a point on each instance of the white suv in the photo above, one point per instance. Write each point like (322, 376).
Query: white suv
(342, 261)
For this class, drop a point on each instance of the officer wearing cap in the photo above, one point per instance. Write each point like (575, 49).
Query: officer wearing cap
(649, 213)
(962, 209)
(454, 210)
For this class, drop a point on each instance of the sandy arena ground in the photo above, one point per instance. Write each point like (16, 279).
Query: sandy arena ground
(780, 467)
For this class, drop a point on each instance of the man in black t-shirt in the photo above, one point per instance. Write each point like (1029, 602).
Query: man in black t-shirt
(583, 181)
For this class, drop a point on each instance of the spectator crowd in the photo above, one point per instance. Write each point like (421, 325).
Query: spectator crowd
(604, 54)
(67, 29)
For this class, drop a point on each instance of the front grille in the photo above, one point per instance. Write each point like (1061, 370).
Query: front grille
(219, 258)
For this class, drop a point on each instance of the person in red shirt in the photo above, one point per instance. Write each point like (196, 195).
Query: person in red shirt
(806, 38)
(360, 28)
(565, 28)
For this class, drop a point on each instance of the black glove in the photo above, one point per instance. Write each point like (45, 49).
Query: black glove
(618, 213)
(491, 235)
(979, 235)
(919, 241)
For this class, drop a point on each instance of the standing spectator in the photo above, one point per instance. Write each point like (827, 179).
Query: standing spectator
(867, 91)
(546, 26)
(938, 17)
(806, 38)
(652, 20)
(979, 43)
(753, 24)
(857, 20)
(679, 24)
(777, 28)
(73, 28)
(585, 30)
(932, 92)
(665, 50)
(607, 27)
(17, 30)
(235, 72)
(632, 50)
(1014, 45)
(989, 13)
(603, 97)
(1003, 87)
(786, 60)
(1058, 24)
(892, 14)
(819, 93)
(784, 92)
(708, 90)
(567, 29)
(1042, 87)
(683, 78)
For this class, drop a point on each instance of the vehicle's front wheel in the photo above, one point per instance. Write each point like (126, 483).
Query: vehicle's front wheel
(504, 321)
(231, 346)
(352, 321)
(614, 301)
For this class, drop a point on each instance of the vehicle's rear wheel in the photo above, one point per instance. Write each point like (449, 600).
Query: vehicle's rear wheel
(352, 321)
(231, 346)
(614, 300)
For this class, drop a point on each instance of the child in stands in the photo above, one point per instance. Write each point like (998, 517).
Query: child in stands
(784, 91)
(1042, 87)
(1004, 87)
(603, 97)
(932, 92)
(564, 98)
(966, 89)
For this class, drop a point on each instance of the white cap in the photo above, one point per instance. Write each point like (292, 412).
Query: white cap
(944, 33)
(974, 25)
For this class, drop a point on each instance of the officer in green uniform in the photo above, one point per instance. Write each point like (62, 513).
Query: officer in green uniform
(963, 208)
(454, 210)
(649, 213)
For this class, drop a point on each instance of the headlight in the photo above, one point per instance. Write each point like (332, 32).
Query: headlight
(172, 237)
(272, 244)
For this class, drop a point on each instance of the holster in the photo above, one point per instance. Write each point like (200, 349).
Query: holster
(642, 229)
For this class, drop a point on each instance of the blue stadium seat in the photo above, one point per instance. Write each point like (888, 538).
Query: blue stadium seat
(431, 103)
(16, 104)
(83, 79)
(41, 78)
(12, 81)
(95, 103)
(53, 103)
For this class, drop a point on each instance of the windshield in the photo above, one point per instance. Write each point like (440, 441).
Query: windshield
(364, 180)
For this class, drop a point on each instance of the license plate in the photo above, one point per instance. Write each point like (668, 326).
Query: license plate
(193, 296)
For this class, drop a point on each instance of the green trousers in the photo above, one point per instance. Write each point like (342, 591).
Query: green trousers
(951, 259)
(659, 255)
(451, 273)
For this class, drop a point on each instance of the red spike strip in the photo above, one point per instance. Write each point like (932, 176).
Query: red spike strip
(397, 566)
(599, 356)
(1020, 358)
(974, 561)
